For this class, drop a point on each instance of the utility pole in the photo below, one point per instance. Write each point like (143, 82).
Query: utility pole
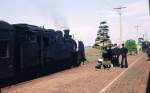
(120, 21)
(149, 7)
(146, 36)
(137, 29)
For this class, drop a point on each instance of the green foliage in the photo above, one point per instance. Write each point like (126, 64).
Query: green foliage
(102, 39)
(131, 46)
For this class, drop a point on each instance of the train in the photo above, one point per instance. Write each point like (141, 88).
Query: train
(26, 48)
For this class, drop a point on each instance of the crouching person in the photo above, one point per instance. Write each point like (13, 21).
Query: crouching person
(103, 61)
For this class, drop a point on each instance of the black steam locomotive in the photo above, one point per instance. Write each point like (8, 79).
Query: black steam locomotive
(27, 48)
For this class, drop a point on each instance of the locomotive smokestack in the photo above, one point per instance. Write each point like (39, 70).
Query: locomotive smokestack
(66, 32)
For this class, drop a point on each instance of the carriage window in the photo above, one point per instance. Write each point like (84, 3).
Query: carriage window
(3, 48)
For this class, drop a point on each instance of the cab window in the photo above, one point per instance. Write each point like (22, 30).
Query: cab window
(3, 48)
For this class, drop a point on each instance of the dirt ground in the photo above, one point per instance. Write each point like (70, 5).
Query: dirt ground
(86, 79)
(133, 81)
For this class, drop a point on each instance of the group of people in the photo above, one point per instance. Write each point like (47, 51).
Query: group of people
(113, 53)
(146, 48)
(148, 52)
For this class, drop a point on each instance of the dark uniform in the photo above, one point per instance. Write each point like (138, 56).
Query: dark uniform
(148, 53)
(109, 54)
(115, 56)
(82, 51)
(105, 55)
(124, 52)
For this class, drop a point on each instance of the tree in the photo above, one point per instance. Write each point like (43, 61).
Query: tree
(102, 39)
(131, 46)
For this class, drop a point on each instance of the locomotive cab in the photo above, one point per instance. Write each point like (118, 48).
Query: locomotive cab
(6, 51)
(27, 47)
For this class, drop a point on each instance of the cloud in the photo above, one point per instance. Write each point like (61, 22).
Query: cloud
(137, 8)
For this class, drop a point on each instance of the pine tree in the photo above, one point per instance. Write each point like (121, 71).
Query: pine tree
(102, 39)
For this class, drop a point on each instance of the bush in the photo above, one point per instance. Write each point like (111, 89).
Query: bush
(131, 46)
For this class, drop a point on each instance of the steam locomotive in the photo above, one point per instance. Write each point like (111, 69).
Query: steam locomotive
(27, 48)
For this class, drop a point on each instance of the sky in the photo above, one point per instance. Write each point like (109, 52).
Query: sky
(82, 17)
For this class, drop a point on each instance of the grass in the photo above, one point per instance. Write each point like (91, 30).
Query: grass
(92, 54)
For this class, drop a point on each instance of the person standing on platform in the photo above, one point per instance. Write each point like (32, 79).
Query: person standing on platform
(115, 55)
(148, 53)
(124, 52)
(109, 53)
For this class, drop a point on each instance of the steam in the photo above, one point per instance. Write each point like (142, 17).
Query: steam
(60, 22)
(51, 9)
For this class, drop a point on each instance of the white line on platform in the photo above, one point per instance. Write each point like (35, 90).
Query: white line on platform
(104, 89)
